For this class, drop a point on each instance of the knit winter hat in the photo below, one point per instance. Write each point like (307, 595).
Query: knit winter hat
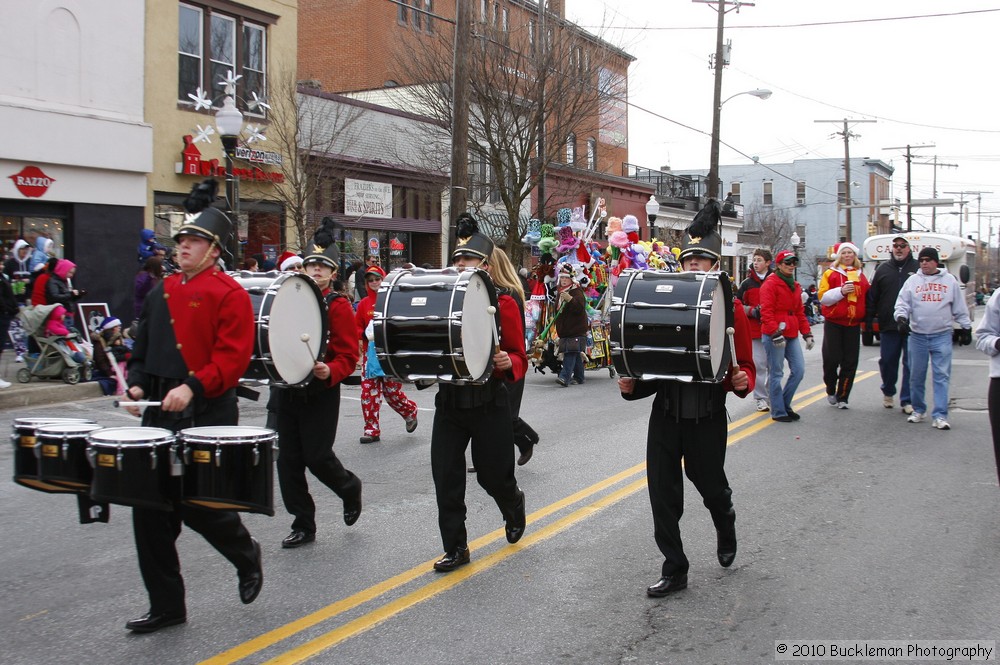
(930, 253)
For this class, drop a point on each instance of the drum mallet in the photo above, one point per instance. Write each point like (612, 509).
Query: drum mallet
(491, 310)
(125, 403)
(305, 338)
(731, 332)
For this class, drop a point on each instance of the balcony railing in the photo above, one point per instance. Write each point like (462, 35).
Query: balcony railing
(668, 185)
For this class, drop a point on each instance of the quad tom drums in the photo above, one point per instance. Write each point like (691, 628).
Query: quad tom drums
(27, 451)
(63, 458)
(291, 323)
(229, 468)
(436, 324)
(671, 325)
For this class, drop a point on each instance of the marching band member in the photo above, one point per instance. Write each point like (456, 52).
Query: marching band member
(307, 416)
(688, 422)
(193, 342)
(480, 413)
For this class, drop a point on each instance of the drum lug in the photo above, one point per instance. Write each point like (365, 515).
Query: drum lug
(65, 450)
(118, 458)
(37, 448)
(152, 458)
(92, 457)
(218, 455)
(256, 454)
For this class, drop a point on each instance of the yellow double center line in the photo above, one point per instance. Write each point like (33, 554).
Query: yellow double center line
(442, 583)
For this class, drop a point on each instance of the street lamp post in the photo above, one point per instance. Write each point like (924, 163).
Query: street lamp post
(713, 166)
(795, 240)
(229, 122)
(652, 210)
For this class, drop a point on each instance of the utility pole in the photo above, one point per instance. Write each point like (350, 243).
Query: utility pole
(935, 164)
(459, 188)
(848, 135)
(909, 188)
(718, 63)
(541, 44)
(964, 213)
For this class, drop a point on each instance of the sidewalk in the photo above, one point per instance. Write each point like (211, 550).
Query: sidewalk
(39, 391)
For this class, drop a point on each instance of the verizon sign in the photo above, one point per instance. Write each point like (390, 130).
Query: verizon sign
(364, 197)
(32, 182)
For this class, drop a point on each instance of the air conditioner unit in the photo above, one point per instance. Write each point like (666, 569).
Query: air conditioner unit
(800, 202)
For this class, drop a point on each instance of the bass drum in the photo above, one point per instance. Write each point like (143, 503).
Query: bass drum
(229, 468)
(435, 324)
(668, 325)
(291, 323)
(27, 452)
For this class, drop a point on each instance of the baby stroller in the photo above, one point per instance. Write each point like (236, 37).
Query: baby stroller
(60, 356)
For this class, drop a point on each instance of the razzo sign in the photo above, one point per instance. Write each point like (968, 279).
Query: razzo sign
(32, 182)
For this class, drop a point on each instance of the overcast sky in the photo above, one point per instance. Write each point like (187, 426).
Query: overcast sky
(927, 81)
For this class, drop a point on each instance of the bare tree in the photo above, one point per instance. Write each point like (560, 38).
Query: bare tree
(521, 83)
(773, 228)
(309, 132)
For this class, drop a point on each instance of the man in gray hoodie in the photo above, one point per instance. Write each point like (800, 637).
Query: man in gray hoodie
(925, 308)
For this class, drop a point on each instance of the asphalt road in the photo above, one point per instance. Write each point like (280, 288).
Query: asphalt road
(853, 525)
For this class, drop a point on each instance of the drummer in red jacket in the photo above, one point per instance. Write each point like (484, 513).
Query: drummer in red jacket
(782, 319)
(688, 421)
(193, 343)
(307, 415)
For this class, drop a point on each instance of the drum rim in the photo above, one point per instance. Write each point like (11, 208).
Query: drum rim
(35, 423)
(98, 438)
(58, 429)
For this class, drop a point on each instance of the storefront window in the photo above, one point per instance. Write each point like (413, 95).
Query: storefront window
(391, 247)
(14, 227)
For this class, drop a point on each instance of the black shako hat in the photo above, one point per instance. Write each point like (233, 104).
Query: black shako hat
(211, 224)
(469, 240)
(702, 238)
(329, 256)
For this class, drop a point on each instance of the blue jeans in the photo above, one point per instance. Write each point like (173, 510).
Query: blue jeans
(938, 346)
(891, 346)
(781, 398)
(572, 367)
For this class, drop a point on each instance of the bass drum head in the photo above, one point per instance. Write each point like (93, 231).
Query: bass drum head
(722, 318)
(296, 310)
(477, 326)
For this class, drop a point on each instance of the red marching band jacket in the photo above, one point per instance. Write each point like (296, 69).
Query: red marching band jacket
(342, 344)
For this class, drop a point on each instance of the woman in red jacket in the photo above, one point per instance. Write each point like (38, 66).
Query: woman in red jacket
(782, 318)
(842, 292)
(374, 388)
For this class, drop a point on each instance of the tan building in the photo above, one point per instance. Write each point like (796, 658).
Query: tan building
(192, 45)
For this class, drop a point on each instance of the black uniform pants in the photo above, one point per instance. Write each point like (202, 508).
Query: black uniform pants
(524, 435)
(841, 348)
(307, 427)
(490, 430)
(702, 445)
(156, 531)
(993, 404)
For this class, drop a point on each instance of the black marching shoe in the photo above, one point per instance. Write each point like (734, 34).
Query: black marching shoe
(452, 560)
(667, 585)
(352, 508)
(783, 419)
(514, 526)
(251, 583)
(727, 545)
(793, 414)
(526, 452)
(150, 623)
(297, 538)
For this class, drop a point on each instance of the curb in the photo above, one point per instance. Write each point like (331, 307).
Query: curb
(40, 393)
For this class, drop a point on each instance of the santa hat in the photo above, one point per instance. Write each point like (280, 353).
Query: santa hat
(840, 246)
(287, 261)
(109, 323)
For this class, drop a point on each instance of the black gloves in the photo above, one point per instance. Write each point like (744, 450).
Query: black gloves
(778, 339)
(964, 336)
(903, 325)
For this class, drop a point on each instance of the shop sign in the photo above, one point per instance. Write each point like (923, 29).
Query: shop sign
(194, 165)
(364, 197)
(396, 247)
(32, 182)
(258, 156)
(373, 246)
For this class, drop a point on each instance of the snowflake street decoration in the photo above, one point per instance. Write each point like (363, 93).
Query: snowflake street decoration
(254, 133)
(229, 83)
(257, 103)
(201, 101)
(204, 133)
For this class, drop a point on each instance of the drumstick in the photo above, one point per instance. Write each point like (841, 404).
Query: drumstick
(305, 338)
(491, 310)
(124, 404)
(731, 332)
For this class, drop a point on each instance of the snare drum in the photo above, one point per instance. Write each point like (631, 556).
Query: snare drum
(434, 324)
(63, 460)
(132, 466)
(229, 468)
(26, 454)
(671, 325)
(286, 306)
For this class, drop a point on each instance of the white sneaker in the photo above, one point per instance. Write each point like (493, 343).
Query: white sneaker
(915, 418)
(841, 405)
(887, 401)
(762, 405)
(939, 423)
(19, 359)
(4, 384)
(832, 400)
(907, 409)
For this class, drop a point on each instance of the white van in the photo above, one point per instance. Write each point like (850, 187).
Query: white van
(958, 256)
